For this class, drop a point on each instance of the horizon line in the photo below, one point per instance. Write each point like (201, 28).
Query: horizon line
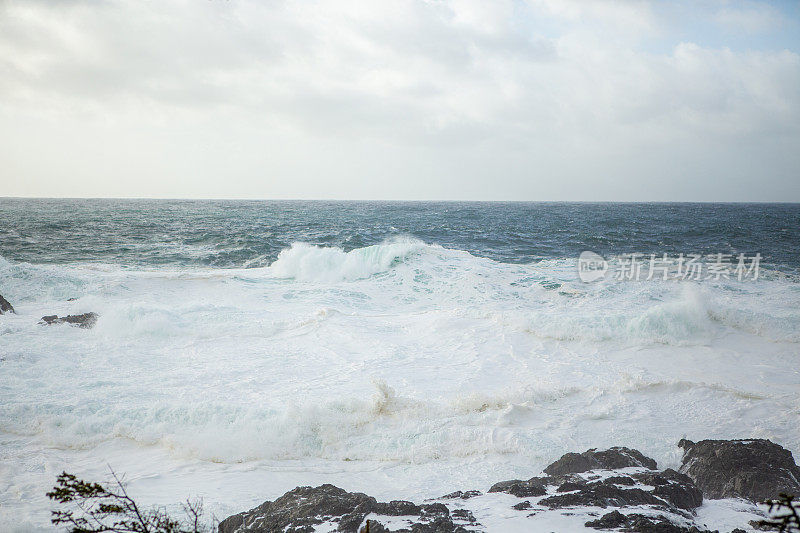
(239, 199)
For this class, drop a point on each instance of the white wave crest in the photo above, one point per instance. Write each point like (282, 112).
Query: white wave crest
(306, 262)
(379, 427)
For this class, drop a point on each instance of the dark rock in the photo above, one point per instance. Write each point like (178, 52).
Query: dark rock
(504, 486)
(570, 463)
(569, 486)
(668, 495)
(619, 480)
(611, 520)
(602, 496)
(302, 509)
(86, 320)
(373, 526)
(521, 489)
(398, 508)
(754, 469)
(435, 509)
(671, 490)
(464, 515)
(441, 524)
(5, 307)
(674, 487)
(638, 523)
(759, 525)
(645, 524)
(613, 458)
(462, 495)
(234, 522)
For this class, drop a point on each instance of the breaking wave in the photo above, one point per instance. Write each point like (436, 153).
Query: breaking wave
(306, 262)
(382, 427)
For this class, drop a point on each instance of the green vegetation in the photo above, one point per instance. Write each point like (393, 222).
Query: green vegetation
(94, 508)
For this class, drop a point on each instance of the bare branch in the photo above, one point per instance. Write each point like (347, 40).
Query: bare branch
(785, 514)
(93, 508)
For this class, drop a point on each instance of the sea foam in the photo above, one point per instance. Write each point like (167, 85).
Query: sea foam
(306, 262)
(404, 361)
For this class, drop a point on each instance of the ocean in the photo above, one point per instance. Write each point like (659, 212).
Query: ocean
(403, 349)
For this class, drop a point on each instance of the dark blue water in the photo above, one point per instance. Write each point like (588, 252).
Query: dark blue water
(251, 233)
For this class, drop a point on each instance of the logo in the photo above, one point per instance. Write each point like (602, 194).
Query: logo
(591, 267)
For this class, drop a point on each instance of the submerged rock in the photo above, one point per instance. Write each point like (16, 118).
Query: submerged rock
(86, 320)
(613, 458)
(5, 307)
(754, 469)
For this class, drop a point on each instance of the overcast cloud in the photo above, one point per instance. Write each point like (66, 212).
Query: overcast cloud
(461, 99)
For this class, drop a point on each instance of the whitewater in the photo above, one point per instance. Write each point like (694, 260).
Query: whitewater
(406, 368)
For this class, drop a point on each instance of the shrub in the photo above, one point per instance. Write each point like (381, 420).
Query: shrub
(94, 508)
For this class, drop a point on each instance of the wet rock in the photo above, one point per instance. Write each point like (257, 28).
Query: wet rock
(462, 495)
(85, 321)
(301, 509)
(676, 488)
(613, 458)
(602, 495)
(5, 307)
(441, 524)
(570, 486)
(521, 489)
(754, 469)
(398, 508)
(670, 490)
(305, 508)
(620, 480)
(611, 520)
(373, 526)
(656, 501)
(638, 523)
(666, 490)
(435, 509)
(759, 525)
(464, 515)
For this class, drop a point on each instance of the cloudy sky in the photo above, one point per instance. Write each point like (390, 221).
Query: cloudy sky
(694, 100)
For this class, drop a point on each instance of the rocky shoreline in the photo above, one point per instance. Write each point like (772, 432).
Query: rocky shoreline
(619, 489)
(83, 321)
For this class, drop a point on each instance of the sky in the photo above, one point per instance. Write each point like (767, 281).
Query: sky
(538, 100)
